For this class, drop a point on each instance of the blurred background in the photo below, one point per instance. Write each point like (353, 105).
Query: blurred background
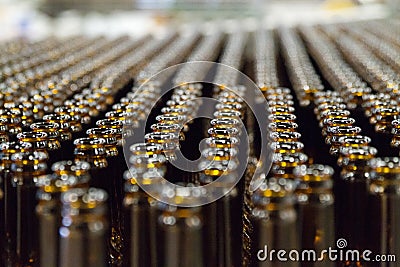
(39, 18)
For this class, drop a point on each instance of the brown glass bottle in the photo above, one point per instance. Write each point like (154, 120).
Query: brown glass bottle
(274, 221)
(354, 184)
(179, 236)
(26, 167)
(6, 225)
(140, 222)
(84, 230)
(114, 186)
(383, 216)
(67, 175)
(315, 210)
(219, 220)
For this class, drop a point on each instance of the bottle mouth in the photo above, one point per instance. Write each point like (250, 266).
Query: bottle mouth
(227, 114)
(121, 115)
(220, 142)
(71, 167)
(166, 127)
(56, 183)
(175, 110)
(357, 140)
(14, 147)
(282, 117)
(32, 136)
(89, 143)
(334, 114)
(281, 110)
(361, 152)
(273, 95)
(313, 172)
(229, 106)
(109, 123)
(230, 100)
(330, 106)
(221, 122)
(287, 147)
(289, 159)
(147, 161)
(386, 111)
(282, 126)
(84, 200)
(285, 136)
(102, 132)
(45, 126)
(396, 124)
(29, 158)
(382, 166)
(343, 130)
(275, 193)
(146, 148)
(223, 132)
(212, 153)
(223, 166)
(171, 118)
(339, 121)
(161, 137)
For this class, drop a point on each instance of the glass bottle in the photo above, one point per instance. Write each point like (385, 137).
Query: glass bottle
(63, 123)
(74, 119)
(283, 164)
(353, 185)
(315, 209)
(67, 175)
(117, 125)
(334, 133)
(14, 120)
(350, 141)
(383, 215)
(221, 216)
(332, 114)
(282, 117)
(179, 236)
(114, 187)
(332, 122)
(283, 126)
(26, 167)
(84, 230)
(91, 150)
(37, 139)
(169, 142)
(6, 225)
(3, 130)
(285, 136)
(274, 221)
(382, 118)
(396, 133)
(140, 221)
(110, 137)
(287, 147)
(53, 138)
(168, 128)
